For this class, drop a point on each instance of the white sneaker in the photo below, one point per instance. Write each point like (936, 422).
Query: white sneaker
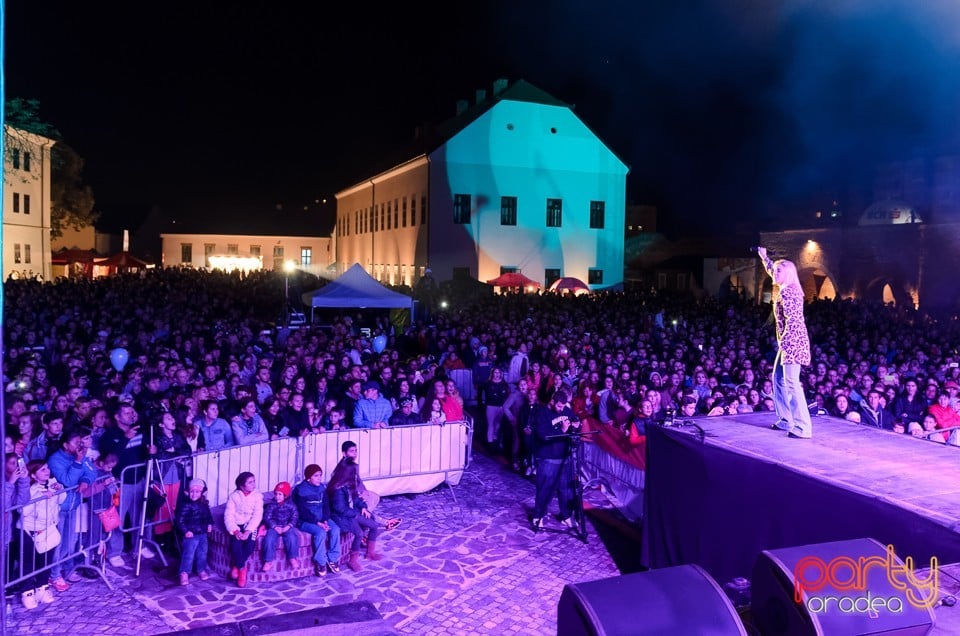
(570, 522)
(29, 599)
(147, 553)
(117, 561)
(538, 523)
(45, 594)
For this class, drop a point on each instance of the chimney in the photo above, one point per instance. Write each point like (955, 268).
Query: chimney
(499, 86)
(481, 95)
(462, 106)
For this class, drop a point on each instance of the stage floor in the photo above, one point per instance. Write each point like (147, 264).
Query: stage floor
(913, 474)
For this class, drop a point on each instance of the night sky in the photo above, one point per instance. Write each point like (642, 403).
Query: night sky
(723, 109)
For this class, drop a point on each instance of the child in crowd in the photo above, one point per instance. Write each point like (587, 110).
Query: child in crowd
(280, 519)
(37, 519)
(195, 523)
(107, 494)
(242, 518)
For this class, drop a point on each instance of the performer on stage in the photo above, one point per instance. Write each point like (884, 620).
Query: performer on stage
(554, 465)
(793, 349)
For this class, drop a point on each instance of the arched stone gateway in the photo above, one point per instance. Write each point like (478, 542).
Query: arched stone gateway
(817, 283)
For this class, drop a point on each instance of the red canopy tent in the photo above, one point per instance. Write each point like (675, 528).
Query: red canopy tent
(513, 279)
(571, 284)
(122, 262)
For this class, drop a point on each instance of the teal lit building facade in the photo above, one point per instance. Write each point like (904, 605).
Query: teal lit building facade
(517, 182)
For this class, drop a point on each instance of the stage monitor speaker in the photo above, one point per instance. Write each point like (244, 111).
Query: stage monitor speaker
(670, 601)
(868, 603)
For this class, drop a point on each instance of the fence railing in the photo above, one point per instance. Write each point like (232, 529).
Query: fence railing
(395, 460)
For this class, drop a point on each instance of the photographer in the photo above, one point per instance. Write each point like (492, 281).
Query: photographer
(124, 439)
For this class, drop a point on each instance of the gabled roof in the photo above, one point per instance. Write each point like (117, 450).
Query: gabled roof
(519, 91)
(432, 139)
(356, 288)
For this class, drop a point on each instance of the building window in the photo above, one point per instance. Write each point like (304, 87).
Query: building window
(26, 164)
(15, 158)
(207, 251)
(356, 221)
(597, 209)
(461, 208)
(550, 275)
(186, 252)
(306, 256)
(404, 215)
(595, 277)
(233, 248)
(508, 210)
(26, 204)
(254, 250)
(16, 253)
(413, 210)
(278, 251)
(384, 211)
(396, 214)
(26, 253)
(554, 212)
(16, 202)
(423, 210)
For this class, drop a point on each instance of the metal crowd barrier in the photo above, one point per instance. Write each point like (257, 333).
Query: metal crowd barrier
(394, 460)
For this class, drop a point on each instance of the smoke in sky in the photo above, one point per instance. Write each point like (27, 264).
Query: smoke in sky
(739, 107)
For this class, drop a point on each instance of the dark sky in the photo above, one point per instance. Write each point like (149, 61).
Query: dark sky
(721, 107)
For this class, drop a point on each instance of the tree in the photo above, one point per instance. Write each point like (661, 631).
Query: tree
(71, 200)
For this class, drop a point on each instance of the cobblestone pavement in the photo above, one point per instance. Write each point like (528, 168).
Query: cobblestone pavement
(464, 565)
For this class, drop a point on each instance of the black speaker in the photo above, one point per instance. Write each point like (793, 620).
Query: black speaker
(843, 587)
(670, 601)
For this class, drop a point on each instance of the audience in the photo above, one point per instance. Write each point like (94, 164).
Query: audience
(207, 370)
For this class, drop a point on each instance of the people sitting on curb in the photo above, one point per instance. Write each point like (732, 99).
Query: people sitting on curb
(280, 519)
(242, 518)
(313, 508)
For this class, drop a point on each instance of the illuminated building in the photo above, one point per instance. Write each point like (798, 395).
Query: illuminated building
(515, 182)
(26, 205)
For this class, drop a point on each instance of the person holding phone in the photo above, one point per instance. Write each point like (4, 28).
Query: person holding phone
(124, 438)
(793, 348)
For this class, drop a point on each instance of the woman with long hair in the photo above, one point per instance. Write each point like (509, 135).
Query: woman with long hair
(793, 348)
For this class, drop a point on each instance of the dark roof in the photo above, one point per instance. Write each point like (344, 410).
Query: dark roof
(435, 136)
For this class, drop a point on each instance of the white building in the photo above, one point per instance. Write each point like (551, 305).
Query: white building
(26, 204)
(239, 251)
(517, 182)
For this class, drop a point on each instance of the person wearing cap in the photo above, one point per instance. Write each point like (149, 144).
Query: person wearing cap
(952, 389)
(405, 415)
(552, 452)
(372, 410)
(280, 517)
(195, 523)
(313, 510)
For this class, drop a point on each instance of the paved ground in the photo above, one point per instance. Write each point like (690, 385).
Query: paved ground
(464, 566)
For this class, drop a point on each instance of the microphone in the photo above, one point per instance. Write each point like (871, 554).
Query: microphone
(753, 249)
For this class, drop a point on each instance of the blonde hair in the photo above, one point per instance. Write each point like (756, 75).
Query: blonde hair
(789, 270)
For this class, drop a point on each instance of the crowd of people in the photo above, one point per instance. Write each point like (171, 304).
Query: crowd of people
(203, 367)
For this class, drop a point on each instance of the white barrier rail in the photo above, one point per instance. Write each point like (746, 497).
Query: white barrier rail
(394, 460)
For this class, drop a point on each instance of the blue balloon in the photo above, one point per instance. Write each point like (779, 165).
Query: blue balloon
(379, 343)
(118, 358)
